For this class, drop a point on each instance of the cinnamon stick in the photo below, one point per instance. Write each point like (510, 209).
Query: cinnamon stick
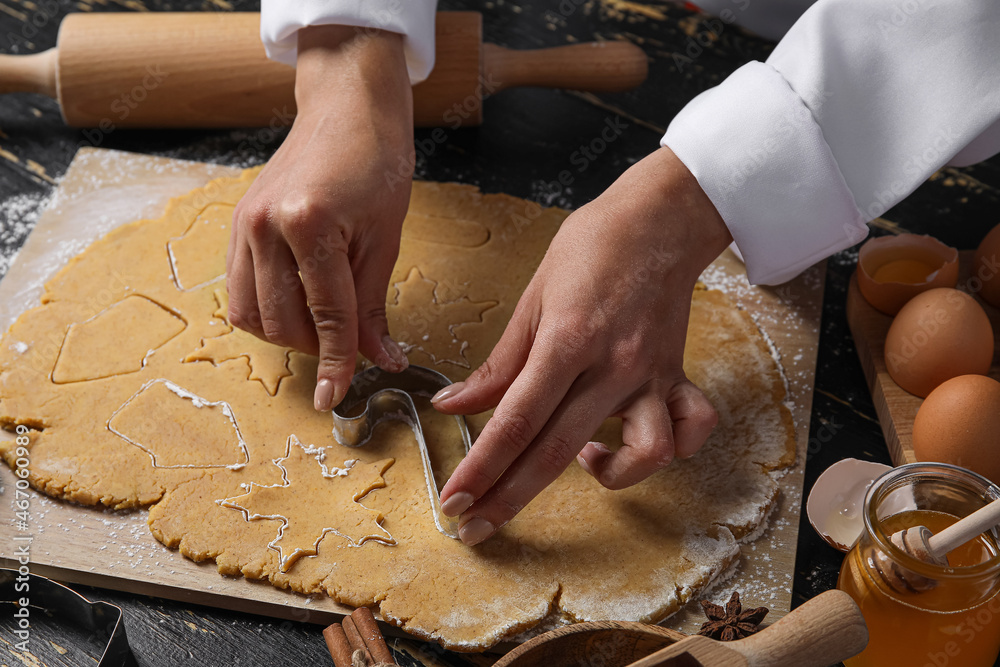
(366, 624)
(354, 637)
(340, 647)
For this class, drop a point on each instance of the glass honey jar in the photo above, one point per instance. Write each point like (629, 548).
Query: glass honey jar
(951, 615)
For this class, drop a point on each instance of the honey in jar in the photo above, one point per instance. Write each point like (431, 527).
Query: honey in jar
(955, 620)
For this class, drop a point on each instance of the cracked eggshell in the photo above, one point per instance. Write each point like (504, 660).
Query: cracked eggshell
(894, 269)
(837, 500)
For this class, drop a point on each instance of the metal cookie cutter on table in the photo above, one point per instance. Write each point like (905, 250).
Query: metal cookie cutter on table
(53, 598)
(389, 396)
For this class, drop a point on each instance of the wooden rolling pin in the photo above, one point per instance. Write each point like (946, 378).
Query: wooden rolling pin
(209, 70)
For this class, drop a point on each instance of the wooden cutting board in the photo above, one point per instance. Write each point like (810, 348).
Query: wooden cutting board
(103, 189)
(896, 407)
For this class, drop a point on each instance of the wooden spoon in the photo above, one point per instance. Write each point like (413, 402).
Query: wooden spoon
(924, 545)
(823, 631)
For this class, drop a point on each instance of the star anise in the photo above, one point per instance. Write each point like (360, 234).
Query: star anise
(731, 622)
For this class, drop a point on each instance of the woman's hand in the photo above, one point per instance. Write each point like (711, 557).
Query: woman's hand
(316, 236)
(599, 331)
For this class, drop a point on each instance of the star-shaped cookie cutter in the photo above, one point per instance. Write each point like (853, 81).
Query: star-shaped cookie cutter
(390, 396)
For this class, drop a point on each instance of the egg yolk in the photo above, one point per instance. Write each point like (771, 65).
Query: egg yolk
(904, 271)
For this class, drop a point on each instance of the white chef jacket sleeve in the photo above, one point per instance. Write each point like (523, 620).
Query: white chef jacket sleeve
(280, 21)
(858, 104)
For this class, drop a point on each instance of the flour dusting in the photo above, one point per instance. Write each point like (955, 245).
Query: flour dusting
(18, 215)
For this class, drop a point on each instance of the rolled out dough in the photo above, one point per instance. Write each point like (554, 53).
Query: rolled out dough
(139, 393)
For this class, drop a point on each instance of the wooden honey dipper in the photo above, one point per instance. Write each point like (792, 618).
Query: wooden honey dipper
(922, 544)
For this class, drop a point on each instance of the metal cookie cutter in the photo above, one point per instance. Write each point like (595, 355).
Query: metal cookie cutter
(389, 396)
(101, 618)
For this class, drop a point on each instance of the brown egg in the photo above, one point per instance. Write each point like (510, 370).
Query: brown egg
(958, 423)
(986, 267)
(894, 269)
(936, 336)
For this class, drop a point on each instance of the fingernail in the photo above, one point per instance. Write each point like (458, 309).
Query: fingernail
(323, 399)
(600, 447)
(475, 531)
(395, 353)
(448, 392)
(457, 503)
(583, 464)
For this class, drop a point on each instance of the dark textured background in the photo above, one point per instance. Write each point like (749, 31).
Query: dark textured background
(528, 138)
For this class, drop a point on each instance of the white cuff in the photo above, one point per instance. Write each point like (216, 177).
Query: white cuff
(761, 158)
(280, 21)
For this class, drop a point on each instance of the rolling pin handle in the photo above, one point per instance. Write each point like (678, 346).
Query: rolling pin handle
(823, 631)
(35, 73)
(596, 67)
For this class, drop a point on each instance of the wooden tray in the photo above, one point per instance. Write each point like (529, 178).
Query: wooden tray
(103, 189)
(896, 407)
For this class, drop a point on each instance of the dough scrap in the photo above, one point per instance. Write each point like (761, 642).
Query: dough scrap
(561, 558)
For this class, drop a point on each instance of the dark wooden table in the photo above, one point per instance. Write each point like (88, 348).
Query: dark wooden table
(529, 137)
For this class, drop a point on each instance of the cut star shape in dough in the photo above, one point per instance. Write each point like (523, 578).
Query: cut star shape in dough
(429, 319)
(314, 500)
(268, 362)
